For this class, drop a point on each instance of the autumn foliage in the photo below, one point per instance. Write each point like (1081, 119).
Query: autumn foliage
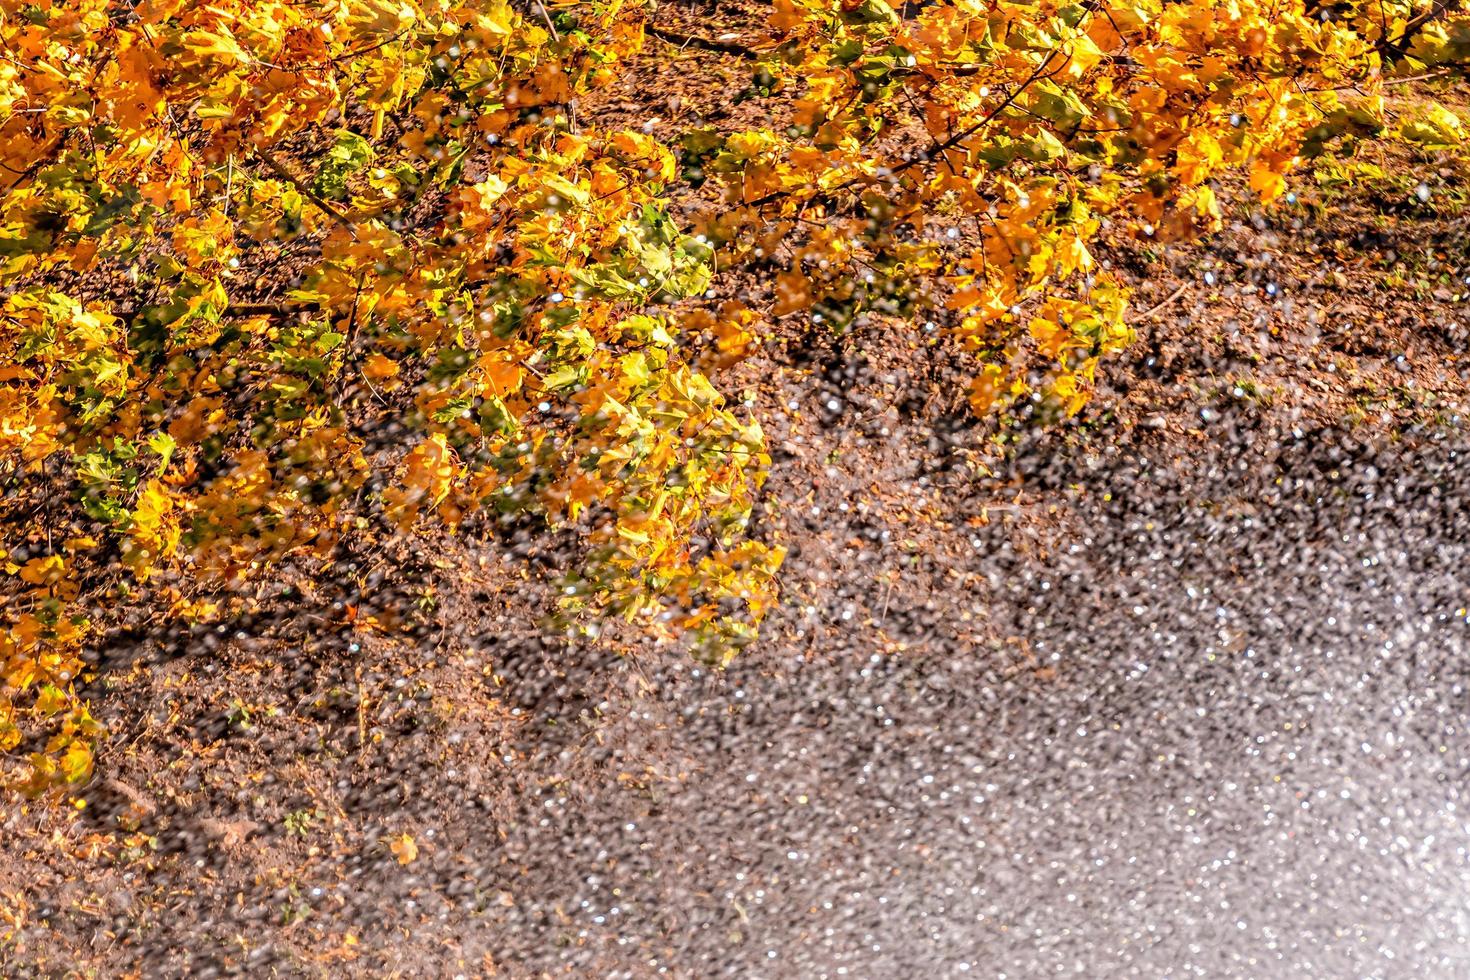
(238, 237)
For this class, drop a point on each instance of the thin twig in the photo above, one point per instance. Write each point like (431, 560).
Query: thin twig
(280, 171)
(703, 43)
(939, 149)
(1443, 71)
(362, 710)
(541, 6)
(348, 55)
(1153, 310)
(267, 309)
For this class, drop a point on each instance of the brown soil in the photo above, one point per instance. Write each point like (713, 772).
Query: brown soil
(245, 806)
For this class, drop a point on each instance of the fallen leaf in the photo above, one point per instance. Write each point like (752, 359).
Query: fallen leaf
(404, 849)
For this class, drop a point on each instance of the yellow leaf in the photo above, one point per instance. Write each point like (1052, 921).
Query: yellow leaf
(206, 47)
(430, 469)
(380, 17)
(76, 765)
(1435, 127)
(50, 701)
(990, 388)
(153, 504)
(158, 11)
(43, 571)
(1266, 182)
(404, 849)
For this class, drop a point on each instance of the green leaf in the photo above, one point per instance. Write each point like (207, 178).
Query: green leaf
(1055, 104)
(349, 154)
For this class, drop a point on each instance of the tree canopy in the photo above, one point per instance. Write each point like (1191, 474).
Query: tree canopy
(277, 274)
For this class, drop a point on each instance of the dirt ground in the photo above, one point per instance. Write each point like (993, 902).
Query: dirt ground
(245, 812)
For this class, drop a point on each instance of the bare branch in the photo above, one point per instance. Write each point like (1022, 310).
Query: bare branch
(280, 171)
